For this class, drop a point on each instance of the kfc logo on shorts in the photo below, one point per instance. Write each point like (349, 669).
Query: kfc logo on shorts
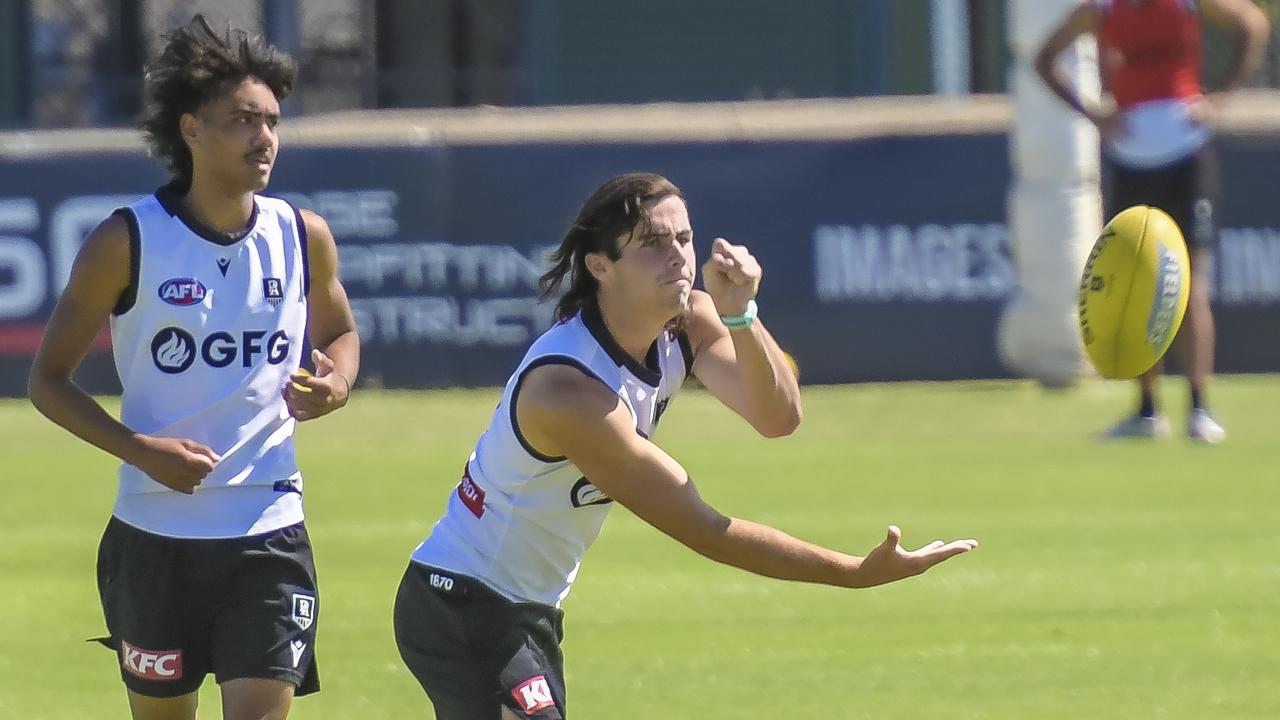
(304, 610)
(151, 664)
(533, 695)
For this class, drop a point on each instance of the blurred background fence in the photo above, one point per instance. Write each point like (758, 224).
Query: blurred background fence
(76, 63)
(881, 220)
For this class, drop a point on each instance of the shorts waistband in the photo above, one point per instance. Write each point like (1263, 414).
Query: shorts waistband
(448, 582)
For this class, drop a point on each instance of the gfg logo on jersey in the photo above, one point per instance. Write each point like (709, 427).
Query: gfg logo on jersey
(174, 350)
(182, 291)
(151, 664)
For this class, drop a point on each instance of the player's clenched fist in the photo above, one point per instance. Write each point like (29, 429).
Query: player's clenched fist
(731, 276)
(311, 396)
(175, 463)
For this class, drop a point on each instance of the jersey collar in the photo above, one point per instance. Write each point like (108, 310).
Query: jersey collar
(171, 200)
(649, 373)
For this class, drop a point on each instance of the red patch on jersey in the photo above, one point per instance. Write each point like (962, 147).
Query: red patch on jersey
(151, 664)
(471, 495)
(533, 695)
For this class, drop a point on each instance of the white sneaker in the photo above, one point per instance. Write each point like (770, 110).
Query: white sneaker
(1203, 428)
(1140, 426)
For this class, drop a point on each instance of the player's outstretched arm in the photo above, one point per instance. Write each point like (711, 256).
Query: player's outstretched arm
(560, 411)
(99, 276)
(331, 327)
(744, 368)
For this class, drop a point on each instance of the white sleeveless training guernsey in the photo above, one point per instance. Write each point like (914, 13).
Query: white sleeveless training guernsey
(204, 342)
(520, 521)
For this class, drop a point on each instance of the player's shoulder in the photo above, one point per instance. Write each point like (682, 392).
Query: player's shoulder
(313, 221)
(561, 410)
(310, 221)
(111, 238)
(107, 256)
(565, 390)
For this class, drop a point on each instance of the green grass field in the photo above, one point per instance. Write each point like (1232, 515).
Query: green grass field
(1113, 581)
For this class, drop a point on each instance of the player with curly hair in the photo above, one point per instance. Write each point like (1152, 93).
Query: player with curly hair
(211, 291)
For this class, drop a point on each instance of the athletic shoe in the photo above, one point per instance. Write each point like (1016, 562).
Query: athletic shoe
(1140, 426)
(1203, 428)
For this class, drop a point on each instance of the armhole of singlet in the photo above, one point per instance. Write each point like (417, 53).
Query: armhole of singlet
(686, 350)
(515, 395)
(302, 248)
(129, 296)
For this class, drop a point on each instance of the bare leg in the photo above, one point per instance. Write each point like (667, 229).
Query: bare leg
(256, 699)
(1147, 390)
(1196, 339)
(182, 707)
(1196, 347)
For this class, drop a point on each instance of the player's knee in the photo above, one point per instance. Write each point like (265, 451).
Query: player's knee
(144, 707)
(256, 699)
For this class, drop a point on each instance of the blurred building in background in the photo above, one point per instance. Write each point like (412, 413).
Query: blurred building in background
(78, 63)
(885, 217)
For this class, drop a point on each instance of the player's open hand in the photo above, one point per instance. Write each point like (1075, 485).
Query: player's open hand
(889, 561)
(311, 396)
(731, 276)
(176, 463)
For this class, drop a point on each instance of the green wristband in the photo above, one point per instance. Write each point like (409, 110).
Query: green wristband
(743, 321)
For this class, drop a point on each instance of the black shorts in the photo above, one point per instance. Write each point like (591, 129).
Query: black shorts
(474, 651)
(178, 608)
(1186, 189)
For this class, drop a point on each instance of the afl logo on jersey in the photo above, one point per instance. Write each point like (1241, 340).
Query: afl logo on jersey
(173, 350)
(182, 291)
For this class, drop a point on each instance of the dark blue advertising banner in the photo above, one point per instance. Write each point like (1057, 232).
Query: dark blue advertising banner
(885, 258)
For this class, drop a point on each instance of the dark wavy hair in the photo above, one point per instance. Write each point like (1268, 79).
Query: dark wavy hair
(616, 210)
(195, 66)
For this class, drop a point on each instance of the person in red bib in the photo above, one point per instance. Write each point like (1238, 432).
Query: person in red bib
(1156, 127)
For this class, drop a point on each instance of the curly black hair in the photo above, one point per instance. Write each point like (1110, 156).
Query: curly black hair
(195, 66)
(615, 209)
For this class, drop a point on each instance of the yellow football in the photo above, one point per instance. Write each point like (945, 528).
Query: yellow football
(302, 388)
(1134, 292)
(791, 363)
